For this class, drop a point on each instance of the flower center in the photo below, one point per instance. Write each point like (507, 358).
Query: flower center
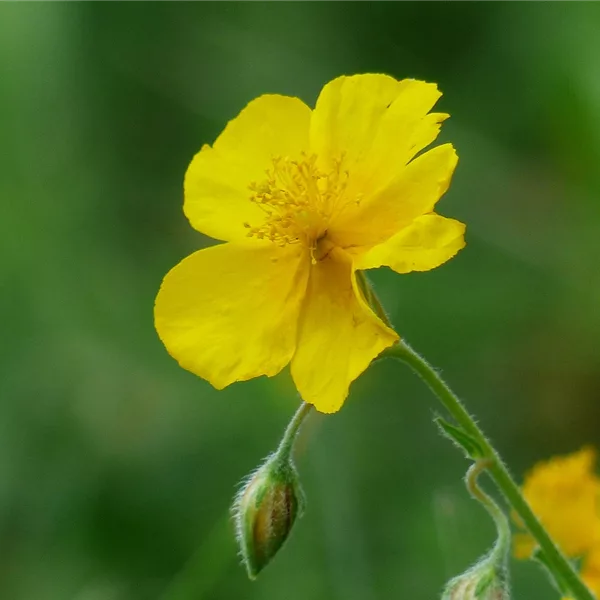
(298, 200)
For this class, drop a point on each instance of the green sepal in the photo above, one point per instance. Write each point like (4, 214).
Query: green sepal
(459, 436)
(483, 581)
(265, 511)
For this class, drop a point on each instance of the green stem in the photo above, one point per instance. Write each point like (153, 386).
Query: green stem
(500, 551)
(555, 559)
(287, 441)
(371, 297)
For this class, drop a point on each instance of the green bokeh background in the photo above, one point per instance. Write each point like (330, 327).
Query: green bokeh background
(116, 466)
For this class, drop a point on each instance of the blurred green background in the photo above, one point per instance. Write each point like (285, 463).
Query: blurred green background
(116, 466)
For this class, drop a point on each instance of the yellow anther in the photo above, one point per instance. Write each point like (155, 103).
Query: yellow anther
(298, 200)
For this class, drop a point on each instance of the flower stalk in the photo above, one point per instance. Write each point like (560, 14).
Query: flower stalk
(286, 444)
(269, 502)
(500, 550)
(488, 578)
(554, 559)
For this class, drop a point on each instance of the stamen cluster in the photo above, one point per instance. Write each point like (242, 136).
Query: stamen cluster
(298, 200)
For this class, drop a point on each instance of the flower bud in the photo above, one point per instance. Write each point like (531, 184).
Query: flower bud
(265, 511)
(484, 581)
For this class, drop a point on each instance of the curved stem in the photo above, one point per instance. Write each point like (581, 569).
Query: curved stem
(500, 550)
(287, 441)
(554, 558)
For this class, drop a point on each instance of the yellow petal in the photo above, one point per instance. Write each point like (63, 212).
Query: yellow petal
(590, 571)
(217, 198)
(414, 192)
(523, 546)
(339, 335)
(376, 123)
(425, 244)
(564, 493)
(230, 312)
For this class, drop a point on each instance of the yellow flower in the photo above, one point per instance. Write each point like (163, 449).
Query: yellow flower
(303, 199)
(590, 572)
(564, 493)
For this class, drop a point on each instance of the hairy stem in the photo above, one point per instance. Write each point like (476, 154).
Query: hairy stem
(555, 560)
(287, 441)
(501, 548)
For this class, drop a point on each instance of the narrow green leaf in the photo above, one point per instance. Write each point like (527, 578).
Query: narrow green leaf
(459, 436)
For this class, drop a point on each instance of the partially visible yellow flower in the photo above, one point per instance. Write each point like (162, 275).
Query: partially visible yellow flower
(304, 198)
(590, 572)
(564, 493)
